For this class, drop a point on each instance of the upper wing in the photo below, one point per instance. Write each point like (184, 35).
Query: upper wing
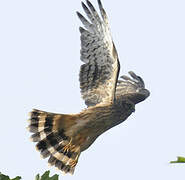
(98, 76)
(132, 88)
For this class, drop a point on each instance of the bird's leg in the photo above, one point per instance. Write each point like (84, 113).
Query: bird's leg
(68, 146)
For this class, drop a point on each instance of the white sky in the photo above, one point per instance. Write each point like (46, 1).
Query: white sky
(39, 67)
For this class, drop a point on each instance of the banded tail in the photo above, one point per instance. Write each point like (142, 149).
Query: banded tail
(49, 132)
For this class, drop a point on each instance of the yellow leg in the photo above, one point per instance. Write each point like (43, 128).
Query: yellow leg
(67, 146)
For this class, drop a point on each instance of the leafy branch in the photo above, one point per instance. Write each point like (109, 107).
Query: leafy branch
(179, 160)
(45, 176)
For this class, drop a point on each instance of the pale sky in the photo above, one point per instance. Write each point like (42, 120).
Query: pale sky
(39, 67)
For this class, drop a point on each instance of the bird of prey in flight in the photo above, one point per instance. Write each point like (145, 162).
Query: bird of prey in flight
(109, 100)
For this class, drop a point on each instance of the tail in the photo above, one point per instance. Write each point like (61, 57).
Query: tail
(49, 131)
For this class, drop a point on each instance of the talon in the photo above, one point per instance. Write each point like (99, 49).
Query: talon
(67, 146)
(74, 162)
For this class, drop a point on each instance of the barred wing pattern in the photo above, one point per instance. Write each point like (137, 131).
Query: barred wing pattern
(98, 76)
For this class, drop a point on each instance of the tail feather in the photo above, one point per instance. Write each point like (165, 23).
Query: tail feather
(38, 136)
(49, 132)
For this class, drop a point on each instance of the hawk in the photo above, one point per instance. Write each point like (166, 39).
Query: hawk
(62, 137)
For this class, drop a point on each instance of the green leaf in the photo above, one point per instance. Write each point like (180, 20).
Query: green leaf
(4, 177)
(17, 178)
(179, 160)
(37, 177)
(45, 176)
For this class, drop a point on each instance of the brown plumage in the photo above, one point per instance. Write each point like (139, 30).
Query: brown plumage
(62, 137)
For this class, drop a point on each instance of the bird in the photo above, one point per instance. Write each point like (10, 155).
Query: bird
(110, 100)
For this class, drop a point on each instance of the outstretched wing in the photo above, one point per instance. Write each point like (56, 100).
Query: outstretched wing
(132, 88)
(98, 76)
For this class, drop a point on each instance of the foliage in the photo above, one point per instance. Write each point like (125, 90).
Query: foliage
(4, 177)
(179, 160)
(45, 176)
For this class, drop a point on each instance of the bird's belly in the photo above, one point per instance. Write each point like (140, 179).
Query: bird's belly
(101, 125)
(96, 121)
(96, 127)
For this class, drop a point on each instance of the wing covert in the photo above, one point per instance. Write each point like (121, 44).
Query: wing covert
(98, 74)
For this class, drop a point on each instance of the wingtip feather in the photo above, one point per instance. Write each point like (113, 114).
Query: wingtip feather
(89, 4)
(102, 11)
(81, 17)
(84, 6)
(78, 14)
(100, 4)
